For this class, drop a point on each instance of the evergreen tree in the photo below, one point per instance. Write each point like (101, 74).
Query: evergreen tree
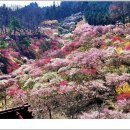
(95, 13)
(14, 25)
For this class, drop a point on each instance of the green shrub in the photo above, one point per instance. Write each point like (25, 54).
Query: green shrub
(3, 44)
(25, 42)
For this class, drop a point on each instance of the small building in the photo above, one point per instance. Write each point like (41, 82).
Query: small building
(53, 24)
(20, 112)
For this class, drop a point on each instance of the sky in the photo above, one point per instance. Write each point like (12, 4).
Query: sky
(23, 3)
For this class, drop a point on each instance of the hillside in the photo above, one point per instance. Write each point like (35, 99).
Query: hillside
(77, 72)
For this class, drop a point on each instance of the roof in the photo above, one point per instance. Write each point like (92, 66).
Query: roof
(20, 112)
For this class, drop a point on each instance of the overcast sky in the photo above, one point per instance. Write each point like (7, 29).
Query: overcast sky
(23, 3)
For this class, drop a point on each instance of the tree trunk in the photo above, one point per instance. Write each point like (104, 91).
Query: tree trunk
(49, 110)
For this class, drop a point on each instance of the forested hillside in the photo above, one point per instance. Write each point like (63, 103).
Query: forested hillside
(96, 13)
(70, 61)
